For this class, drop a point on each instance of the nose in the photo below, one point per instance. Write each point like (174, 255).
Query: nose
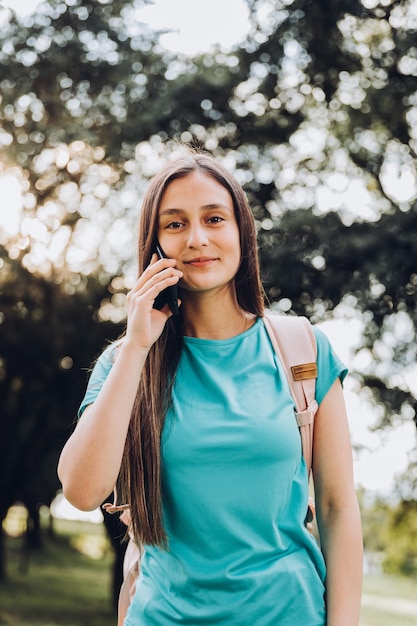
(197, 236)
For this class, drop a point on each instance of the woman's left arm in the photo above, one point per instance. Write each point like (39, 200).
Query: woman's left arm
(338, 515)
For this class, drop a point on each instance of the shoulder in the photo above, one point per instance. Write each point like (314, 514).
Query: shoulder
(329, 365)
(109, 354)
(98, 374)
(325, 350)
(287, 329)
(104, 362)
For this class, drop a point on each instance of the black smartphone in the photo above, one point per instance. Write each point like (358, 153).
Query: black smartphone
(169, 295)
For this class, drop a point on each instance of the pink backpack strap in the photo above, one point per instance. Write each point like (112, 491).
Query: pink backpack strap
(295, 344)
(113, 507)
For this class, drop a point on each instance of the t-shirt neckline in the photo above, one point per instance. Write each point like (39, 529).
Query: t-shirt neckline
(219, 342)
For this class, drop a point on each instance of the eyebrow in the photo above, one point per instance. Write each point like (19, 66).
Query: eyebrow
(205, 207)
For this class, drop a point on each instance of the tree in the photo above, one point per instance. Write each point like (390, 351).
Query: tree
(367, 267)
(348, 71)
(400, 555)
(47, 336)
(315, 112)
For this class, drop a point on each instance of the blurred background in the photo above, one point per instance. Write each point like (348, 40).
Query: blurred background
(313, 106)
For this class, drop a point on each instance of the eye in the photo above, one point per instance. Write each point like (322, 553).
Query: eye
(216, 219)
(174, 225)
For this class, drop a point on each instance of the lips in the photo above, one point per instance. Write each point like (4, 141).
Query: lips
(201, 260)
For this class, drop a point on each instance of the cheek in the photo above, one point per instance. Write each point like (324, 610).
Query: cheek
(235, 258)
(169, 245)
(238, 253)
(238, 248)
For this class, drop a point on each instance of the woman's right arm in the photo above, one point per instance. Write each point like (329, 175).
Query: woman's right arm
(90, 460)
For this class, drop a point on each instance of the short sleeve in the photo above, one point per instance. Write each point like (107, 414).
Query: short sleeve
(329, 365)
(98, 375)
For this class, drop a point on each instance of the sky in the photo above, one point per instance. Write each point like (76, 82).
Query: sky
(197, 25)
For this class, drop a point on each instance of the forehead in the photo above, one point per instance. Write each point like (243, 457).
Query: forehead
(195, 189)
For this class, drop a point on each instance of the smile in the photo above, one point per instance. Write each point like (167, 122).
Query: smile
(200, 261)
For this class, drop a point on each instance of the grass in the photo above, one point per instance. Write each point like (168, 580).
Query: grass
(389, 601)
(68, 583)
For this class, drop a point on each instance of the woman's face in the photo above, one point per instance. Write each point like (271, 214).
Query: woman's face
(197, 227)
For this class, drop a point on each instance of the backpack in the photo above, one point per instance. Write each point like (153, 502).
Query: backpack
(294, 343)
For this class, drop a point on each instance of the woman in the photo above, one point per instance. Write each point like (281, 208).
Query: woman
(190, 412)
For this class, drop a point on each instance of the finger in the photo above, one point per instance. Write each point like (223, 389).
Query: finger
(157, 266)
(165, 261)
(157, 287)
(166, 309)
(155, 284)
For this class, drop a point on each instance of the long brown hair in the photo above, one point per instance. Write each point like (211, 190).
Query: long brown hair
(140, 475)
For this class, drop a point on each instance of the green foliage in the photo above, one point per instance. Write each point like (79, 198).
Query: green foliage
(401, 547)
(375, 521)
(80, 65)
(317, 262)
(389, 533)
(48, 335)
(316, 113)
(401, 532)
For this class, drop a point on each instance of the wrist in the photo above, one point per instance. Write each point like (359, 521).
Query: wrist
(130, 349)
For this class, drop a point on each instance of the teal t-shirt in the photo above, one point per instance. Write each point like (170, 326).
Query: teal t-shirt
(235, 492)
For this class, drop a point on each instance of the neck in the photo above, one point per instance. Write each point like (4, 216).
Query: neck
(206, 317)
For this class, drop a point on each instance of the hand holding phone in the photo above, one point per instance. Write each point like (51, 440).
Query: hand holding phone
(169, 295)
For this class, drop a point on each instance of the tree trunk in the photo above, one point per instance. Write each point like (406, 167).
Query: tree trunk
(33, 533)
(2, 551)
